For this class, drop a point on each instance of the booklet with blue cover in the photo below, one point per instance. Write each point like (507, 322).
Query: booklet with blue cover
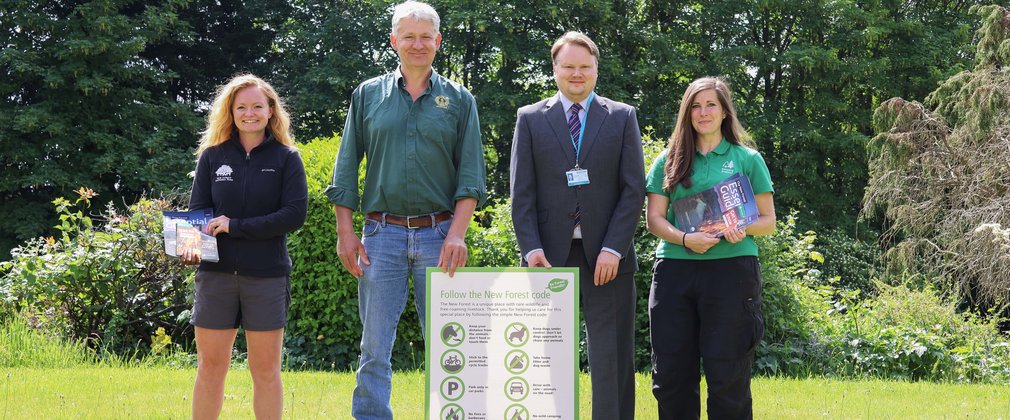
(727, 205)
(183, 230)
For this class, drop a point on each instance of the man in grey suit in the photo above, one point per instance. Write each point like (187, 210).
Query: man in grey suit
(577, 185)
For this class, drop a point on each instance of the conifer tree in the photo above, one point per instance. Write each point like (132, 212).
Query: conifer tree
(940, 173)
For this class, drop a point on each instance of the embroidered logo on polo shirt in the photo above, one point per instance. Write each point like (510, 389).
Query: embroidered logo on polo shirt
(727, 168)
(223, 173)
(442, 102)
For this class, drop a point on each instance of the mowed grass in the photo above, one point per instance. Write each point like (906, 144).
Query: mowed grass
(103, 393)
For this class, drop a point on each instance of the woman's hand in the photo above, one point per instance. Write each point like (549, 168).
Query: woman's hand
(735, 235)
(191, 256)
(217, 225)
(700, 242)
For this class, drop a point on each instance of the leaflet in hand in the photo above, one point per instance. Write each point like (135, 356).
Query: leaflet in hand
(184, 230)
(729, 204)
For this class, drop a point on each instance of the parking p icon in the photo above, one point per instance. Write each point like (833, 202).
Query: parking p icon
(452, 388)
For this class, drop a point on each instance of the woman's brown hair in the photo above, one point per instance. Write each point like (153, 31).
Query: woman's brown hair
(680, 154)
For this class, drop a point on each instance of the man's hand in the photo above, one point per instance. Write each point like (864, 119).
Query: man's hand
(700, 242)
(453, 254)
(606, 268)
(538, 259)
(348, 249)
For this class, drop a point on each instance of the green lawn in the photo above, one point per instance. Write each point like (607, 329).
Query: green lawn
(165, 393)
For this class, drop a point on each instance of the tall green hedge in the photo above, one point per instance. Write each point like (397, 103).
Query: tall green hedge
(323, 325)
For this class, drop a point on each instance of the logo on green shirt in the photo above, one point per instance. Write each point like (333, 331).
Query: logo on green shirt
(442, 102)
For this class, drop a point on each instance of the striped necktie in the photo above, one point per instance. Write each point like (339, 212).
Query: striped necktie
(575, 128)
(575, 124)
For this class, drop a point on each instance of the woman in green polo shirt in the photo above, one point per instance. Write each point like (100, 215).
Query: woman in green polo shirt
(705, 300)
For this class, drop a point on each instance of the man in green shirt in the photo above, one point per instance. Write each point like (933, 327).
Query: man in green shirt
(424, 176)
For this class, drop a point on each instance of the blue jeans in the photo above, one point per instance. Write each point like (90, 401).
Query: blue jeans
(396, 253)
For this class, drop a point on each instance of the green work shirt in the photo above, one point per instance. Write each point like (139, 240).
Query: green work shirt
(721, 163)
(422, 156)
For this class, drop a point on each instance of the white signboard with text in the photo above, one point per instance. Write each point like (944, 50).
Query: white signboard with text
(502, 343)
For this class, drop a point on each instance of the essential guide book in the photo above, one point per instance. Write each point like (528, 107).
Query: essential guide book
(727, 205)
(184, 230)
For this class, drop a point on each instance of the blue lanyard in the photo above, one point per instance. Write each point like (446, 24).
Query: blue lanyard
(582, 131)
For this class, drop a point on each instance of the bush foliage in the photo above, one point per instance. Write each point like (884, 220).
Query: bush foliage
(109, 284)
(818, 326)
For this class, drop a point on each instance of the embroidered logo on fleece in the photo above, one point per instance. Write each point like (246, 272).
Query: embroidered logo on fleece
(223, 173)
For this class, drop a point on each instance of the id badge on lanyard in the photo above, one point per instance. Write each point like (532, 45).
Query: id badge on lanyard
(577, 176)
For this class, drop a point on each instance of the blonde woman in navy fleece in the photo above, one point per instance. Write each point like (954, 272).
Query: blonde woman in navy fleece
(251, 175)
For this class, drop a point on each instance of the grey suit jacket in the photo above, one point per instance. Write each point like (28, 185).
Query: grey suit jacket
(543, 203)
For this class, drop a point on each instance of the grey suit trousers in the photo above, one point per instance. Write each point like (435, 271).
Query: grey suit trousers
(609, 311)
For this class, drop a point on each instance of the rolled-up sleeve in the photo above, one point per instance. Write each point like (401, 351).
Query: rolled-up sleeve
(343, 188)
(470, 174)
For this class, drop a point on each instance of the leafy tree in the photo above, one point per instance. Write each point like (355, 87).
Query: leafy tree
(937, 174)
(216, 40)
(501, 51)
(323, 50)
(806, 75)
(106, 93)
(81, 106)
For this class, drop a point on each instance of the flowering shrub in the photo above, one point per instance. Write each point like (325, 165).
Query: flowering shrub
(108, 282)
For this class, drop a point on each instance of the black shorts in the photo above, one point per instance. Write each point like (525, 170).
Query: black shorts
(224, 301)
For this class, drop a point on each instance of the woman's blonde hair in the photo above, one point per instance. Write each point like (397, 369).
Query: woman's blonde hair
(221, 123)
(680, 156)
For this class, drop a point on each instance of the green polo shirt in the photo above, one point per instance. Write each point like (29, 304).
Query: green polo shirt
(422, 156)
(708, 170)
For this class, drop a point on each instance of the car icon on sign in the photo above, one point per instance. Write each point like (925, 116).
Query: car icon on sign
(516, 387)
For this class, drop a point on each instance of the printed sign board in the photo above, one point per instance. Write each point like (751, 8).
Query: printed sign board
(502, 343)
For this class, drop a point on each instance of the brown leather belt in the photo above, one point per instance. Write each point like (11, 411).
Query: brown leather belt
(411, 222)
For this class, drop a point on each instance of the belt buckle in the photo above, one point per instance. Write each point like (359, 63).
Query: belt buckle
(413, 217)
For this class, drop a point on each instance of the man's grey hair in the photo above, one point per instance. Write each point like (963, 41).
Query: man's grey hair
(415, 10)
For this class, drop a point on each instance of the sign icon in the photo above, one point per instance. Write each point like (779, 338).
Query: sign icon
(453, 361)
(452, 388)
(517, 412)
(517, 334)
(452, 412)
(517, 389)
(453, 334)
(517, 361)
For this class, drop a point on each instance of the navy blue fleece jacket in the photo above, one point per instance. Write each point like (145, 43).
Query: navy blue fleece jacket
(264, 195)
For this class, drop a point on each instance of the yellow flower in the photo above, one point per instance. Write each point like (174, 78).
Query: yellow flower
(161, 341)
(86, 193)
